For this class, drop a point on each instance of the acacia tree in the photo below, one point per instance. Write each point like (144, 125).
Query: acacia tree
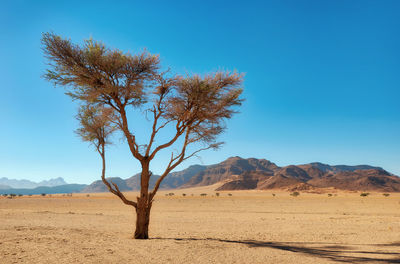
(110, 84)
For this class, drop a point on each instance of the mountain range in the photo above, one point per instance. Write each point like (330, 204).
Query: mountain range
(27, 187)
(6, 183)
(237, 173)
(66, 188)
(172, 181)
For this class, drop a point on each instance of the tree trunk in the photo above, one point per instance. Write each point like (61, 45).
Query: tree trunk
(143, 204)
(142, 218)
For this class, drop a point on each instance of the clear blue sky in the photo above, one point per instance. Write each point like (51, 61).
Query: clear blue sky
(322, 79)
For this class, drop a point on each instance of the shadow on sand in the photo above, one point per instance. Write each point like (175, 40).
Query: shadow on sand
(332, 251)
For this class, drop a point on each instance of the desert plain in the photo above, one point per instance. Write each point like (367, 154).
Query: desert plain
(247, 227)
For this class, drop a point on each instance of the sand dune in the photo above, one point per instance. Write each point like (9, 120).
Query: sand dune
(248, 227)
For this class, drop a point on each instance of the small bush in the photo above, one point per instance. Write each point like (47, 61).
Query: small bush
(329, 194)
(43, 194)
(229, 194)
(20, 195)
(217, 194)
(13, 194)
(87, 195)
(386, 194)
(203, 194)
(273, 194)
(171, 194)
(5, 195)
(364, 194)
(183, 194)
(295, 194)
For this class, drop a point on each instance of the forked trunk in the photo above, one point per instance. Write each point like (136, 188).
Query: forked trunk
(142, 219)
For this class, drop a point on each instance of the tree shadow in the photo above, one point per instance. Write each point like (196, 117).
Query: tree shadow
(332, 251)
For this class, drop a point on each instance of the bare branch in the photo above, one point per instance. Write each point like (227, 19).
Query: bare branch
(134, 148)
(199, 150)
(162, 91)
(174, 161)
(179, 131)
(118, 193)
(121, 196)
(156, 115)
(115, 191)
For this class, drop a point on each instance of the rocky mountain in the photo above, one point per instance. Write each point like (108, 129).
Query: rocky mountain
(338, 168)
(179, 178)
(27, 184)
(365, 180)
(237, 173)
(318, 175)
(230, 169)
(247, 180)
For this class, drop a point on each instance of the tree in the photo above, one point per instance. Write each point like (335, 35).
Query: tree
(111, 84)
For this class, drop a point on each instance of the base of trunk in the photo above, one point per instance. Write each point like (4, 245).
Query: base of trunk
(142, 225)
(142, 219)
(141, 235)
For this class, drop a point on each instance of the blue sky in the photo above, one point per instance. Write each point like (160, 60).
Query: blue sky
(322, 79)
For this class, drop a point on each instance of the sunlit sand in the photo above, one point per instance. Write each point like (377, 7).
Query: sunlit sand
(247, 227)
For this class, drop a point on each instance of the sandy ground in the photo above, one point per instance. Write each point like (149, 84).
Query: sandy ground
(247, 227)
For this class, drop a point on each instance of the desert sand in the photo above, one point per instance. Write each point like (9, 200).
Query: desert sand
(247, 227)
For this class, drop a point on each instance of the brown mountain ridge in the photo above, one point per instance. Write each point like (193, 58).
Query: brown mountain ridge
(237, 173)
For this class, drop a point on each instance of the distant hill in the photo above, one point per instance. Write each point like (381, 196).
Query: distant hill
(3, 186)
(99, 186)
(68, 188)
(27, 184)
(365, 180)
(237, 173)
(230, 169)
(339, 168)
(179, 178)
(317, 175)
(134, 182)
(172, 181)
(130, 184)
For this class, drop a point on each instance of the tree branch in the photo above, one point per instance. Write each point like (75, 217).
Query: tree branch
(134, 148)
(172, 164)
(179, 131)
(156, 114)
(115, 191)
